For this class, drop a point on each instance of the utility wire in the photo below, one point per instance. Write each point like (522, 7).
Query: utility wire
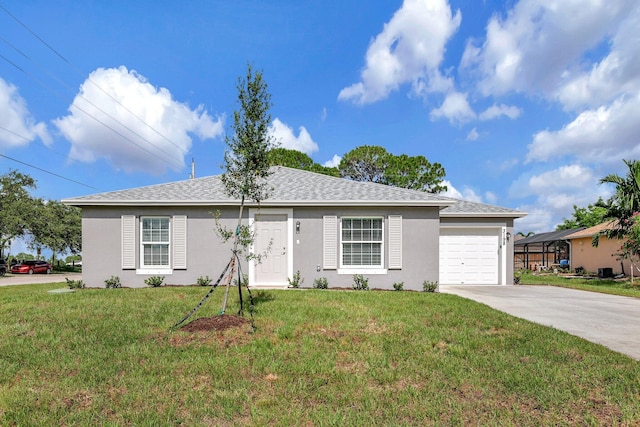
(35, 142)
(79, 72)
(49, 172)
(53, 76)
(33, 33)
(94, 117)
(40, 169)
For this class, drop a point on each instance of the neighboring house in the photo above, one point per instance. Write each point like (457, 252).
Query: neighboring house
(319, 225)
(543, 250)
(591, 258)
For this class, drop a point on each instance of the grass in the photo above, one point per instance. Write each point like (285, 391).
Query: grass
(106, 357)
(607, 286)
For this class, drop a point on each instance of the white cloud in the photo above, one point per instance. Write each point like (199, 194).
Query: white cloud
(617, 73)
(17, 126)
(473, 135)
(538, 220)
(455, 108)
(603, 135)
(509, 164)
(323, 114)
(334, 162)
(539, 43)
(496, 111)
(491, 197)
(285, 136)
(152, 130)
(409, 49)
(466, 193)
(556, 191)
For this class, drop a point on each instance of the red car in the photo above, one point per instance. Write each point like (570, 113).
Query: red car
(31, 267)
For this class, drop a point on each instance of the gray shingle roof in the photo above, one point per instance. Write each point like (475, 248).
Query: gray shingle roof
(465, 208)
(290, 187)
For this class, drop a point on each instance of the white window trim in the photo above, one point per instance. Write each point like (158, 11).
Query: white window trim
(364, 269)
(154, 269)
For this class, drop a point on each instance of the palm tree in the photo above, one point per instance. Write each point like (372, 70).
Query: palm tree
(626, 200)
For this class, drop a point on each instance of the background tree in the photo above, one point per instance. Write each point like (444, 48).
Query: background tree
(630, 249)
(365, 163)
(523, 234)
(16, 206)
(55, 226)
(415, 173)
(298, 160)
(246, 160)
(590, 216)
(375, 164)
(625, 202)
(290, 158)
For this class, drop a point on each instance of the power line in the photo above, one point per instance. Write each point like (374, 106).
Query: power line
(35, 167)
(49, 172)
(78, 71)
(71, 90)
(95, 118)
(33, 33)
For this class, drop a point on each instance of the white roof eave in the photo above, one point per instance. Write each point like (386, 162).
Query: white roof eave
(266, 203)
(483, 214)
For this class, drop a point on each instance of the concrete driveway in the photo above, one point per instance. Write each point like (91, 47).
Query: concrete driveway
(28, 279)
(610, 320)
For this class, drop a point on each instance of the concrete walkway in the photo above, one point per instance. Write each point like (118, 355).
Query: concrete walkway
(610, 320)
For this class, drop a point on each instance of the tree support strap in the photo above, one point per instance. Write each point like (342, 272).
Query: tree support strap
(206, 297)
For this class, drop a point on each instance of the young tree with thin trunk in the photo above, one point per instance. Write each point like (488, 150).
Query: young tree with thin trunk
(246, 160)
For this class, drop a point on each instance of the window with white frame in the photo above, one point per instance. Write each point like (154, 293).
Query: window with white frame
(362, 242)
(155, 241)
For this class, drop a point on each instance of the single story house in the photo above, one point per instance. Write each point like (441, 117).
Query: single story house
(321, 226)
(594, 259)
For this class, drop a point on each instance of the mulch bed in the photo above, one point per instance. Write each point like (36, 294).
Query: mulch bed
(217, 323)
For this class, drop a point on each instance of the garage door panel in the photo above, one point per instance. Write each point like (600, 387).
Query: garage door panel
(469, 256)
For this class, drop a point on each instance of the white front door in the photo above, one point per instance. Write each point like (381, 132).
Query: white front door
(272, 244)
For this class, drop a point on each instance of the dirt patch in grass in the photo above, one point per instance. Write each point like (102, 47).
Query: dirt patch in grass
(224, 330)
(217, 323)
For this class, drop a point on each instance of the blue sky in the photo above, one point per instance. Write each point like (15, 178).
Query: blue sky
(526, 104)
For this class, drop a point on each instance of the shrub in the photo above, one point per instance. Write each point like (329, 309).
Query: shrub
(74, 284)
(398, 286)
(296, 281)
(203, 281)
(113, 282)
(428, 286)
(321, 283)
(154, 281)
(360, 283)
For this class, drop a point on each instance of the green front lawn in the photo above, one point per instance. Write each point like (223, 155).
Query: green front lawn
(608, 286)
(106, 357)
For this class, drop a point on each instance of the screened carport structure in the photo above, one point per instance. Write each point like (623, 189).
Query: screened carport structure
(543, 250)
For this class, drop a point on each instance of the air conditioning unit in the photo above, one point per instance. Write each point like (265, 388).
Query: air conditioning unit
(605, 272)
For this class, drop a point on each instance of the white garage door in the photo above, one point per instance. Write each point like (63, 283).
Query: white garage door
(469, 256)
